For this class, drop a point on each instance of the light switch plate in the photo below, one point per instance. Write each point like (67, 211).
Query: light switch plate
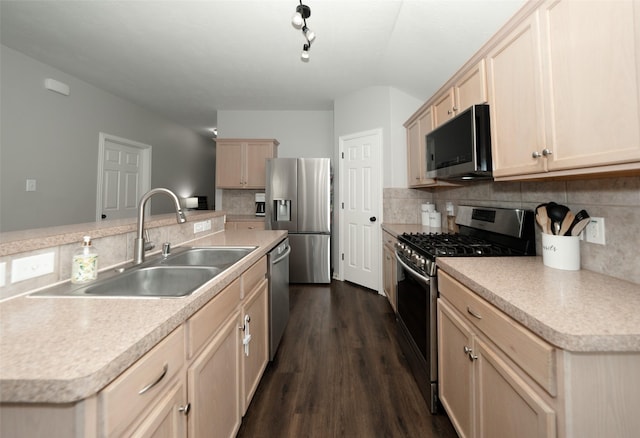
(34, 266)
(2, 273)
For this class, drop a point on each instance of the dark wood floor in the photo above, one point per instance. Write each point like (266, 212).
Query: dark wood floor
(339, 372)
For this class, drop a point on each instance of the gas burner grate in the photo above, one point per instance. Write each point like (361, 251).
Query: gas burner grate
(454, 245)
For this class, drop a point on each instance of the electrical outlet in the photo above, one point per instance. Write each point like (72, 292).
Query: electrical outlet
(197, 227)
(207, 225)
(594, 232)
(34, 266)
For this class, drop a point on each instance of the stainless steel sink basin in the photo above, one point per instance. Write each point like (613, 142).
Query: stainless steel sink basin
(145, 282)
(176, 275)
(155, 281)
(220, 257)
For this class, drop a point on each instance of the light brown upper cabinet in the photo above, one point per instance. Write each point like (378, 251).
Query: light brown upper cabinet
(416, 159)
(240, 163)
(468, 89)
(564, 91)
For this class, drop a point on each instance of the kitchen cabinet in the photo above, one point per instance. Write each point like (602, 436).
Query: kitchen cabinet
(496, 378)
(390, 271)
(469, 88)
(240, 163)
(255, 334)
(145, 390)
(416, 158)
(245, 225)
(552, 81)
(168, 417)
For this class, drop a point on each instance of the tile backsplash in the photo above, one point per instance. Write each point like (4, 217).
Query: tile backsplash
(615, 199)
(239, 201)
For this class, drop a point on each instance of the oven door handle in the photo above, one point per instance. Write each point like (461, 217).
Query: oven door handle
(415, 274)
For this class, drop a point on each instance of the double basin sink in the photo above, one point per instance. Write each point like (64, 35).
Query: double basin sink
(176, 275)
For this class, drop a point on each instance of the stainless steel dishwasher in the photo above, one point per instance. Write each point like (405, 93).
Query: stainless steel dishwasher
(278, 270)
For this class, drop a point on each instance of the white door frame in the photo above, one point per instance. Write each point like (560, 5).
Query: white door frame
(341, 140)
(145, 170)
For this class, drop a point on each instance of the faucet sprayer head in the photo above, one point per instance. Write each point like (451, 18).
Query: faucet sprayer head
(180, 216)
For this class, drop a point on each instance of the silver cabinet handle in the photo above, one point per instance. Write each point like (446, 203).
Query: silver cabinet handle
(467, 350)
(546, 152)
(536, 154)
(156, 381)
(185, 409)
(473, 313)
(472, 356)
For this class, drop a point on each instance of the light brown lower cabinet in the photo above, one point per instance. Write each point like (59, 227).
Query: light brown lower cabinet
(498, 379)
(482, 394)
(389, 272)
(197, 382)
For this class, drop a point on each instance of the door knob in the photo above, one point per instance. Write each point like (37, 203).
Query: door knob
(103, 216)
(372, 219)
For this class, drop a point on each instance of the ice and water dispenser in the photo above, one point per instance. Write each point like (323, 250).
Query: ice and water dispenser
(282, 210)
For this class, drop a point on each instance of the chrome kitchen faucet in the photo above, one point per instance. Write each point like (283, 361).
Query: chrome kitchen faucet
(139, 242)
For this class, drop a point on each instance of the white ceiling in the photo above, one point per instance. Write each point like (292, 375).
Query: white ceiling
(188, 59)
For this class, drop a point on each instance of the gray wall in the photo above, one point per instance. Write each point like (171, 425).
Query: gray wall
(302, 134)
(54, 139)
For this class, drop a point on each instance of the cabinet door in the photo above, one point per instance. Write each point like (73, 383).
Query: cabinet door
(229, 166)
(591, 57)
(443, 108)
(168, 418)
(455, 369)
(255, 350)
(413, 153)
(471, 89)
(506, 405)
(516, 102)
(256, 155)
(213, 382)
(389, 275)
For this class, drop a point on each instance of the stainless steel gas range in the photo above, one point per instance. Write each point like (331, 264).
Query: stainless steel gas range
(483, 231)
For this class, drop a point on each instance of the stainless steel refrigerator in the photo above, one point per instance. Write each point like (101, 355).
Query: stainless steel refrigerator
(298, 199)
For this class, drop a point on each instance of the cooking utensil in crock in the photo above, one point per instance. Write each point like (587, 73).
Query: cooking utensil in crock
(566, 224)
(542, 219)
(580, 221)
(556, 213)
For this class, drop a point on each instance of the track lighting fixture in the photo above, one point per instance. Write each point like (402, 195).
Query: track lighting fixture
(299, 21)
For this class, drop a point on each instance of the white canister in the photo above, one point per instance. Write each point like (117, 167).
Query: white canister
(425, 219)
(561, 252)
(435, 219)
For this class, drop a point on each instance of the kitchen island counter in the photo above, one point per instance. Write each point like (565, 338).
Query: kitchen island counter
(65, 349)
(580, 311)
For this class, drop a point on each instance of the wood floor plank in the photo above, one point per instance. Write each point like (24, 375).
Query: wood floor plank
(339, 372)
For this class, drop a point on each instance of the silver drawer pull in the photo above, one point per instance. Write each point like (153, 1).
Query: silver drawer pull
(185, 409)
(473, 313)
(155, 382)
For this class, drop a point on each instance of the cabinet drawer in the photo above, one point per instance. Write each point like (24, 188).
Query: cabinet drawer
(207, 320)
(253, 276)
(127, 397)
(536, 357)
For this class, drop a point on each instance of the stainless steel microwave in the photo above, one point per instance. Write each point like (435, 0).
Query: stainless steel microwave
(461, 148)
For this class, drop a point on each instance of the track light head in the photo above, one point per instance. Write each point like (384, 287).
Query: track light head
(302, 13)
(305, 52)
(308, 33)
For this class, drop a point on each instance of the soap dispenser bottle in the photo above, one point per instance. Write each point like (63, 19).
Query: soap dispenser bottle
(84, 263)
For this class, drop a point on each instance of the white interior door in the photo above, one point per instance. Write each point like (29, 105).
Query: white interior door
(123, 176)
(361, 207)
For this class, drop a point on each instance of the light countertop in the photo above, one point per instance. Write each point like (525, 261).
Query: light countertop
(574, 310)
(58, 350)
